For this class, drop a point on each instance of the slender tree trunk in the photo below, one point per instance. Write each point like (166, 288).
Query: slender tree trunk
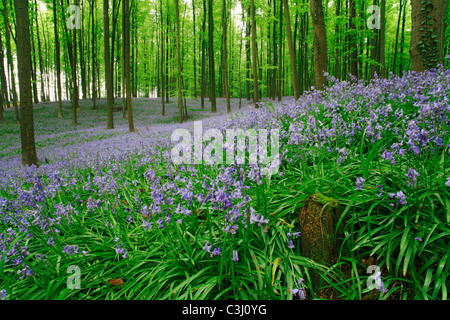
(402, 40)
(383, 39)
(163, 62)
(74, 77)
(33, 64)
(203, 83)
(353, 40)
(291, 49)
(126, 57)
(29, 156)
(320, 44)
(57, 60)
(212, 73)
(108, 71)
(396, 37)
(280, 48)
(180, 92)
(248, 53)
(195, 50)
(254, 54)
(3, 84)
(94, 56)
(225, 58)
(41, 68)
(10, 60)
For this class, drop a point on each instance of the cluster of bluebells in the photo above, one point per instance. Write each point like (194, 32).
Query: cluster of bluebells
(120, 249)
(209, 249)
(290, 236)
(300, 291)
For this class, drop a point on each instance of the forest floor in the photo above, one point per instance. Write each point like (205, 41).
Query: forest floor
(53, 136)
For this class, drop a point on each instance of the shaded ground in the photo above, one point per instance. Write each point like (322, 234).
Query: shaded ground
(56, 138)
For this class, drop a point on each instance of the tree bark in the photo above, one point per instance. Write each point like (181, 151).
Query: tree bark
(163, 62)
(10, 60)
(75, 96)
(427, 34)
(108, 71)
(353, 42)
(291, 49)
(29, 156)
(320, 44)
(254, 54)
(225, 58)
(57, 60)
(212, 72)
(126, 57)
(180, 92)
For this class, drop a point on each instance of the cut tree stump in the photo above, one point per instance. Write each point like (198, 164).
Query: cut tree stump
(319, 240)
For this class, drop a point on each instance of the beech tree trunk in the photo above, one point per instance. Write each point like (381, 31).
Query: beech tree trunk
(23, 41)
(126, 58)
(10, 60)
(180, 92)
(427, 33)
(108, 71)
(291, 49)
(254, 54)
(320, 44)
(57, 60)
(225, 58)
(212, 72)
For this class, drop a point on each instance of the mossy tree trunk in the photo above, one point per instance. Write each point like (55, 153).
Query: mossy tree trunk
(319, 240)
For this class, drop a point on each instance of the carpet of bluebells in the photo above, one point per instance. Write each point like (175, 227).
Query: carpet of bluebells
(137, 226)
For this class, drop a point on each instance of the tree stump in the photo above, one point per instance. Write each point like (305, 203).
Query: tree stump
(319, 241)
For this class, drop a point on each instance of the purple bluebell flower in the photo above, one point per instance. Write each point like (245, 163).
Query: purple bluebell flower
(147, 225)
(3, 294)
(448, 182)
(401, 198)
(291, 244)
(388, 155)
(70, 250)
(359, 183)
(418, 239)
(299, 291)
(235, 256)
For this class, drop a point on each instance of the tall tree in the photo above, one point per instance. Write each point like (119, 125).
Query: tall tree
(10, 59)
(195, 49)
(126, 57)
(254, 54)
(225, 58)
(212, 73)
(180, 92)
(203, 81)
(320, 44)
(75, 93)
(427, 33)
(23, 41)
(108, 71)
(353, 39)
(291, 49)
(94, 56)
(163, 61)
(57, 59)
(3, 84)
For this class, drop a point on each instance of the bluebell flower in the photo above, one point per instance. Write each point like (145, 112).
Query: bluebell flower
(448, 182)
(235, 256)
(3, 294)
(291, 244)
(359, 183)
